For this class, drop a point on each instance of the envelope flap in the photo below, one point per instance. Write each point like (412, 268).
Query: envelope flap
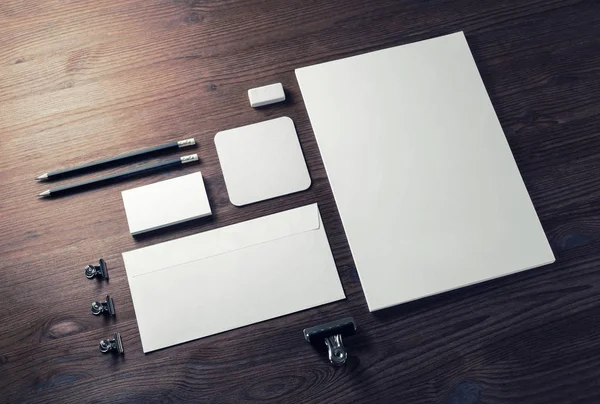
(221, 241)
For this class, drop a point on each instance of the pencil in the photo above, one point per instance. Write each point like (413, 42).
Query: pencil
(67, 189)
(98, 164)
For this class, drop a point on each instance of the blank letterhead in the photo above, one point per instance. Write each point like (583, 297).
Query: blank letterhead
(427, 188)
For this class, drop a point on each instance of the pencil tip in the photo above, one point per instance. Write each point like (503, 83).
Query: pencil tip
(45, 193)
(42, 177)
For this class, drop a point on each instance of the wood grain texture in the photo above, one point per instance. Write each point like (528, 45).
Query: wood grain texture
(82, 79)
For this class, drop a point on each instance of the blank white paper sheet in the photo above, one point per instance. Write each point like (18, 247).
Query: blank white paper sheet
(231, 277)
(426, 185)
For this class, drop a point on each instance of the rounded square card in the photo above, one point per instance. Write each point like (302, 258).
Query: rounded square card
(262, 161)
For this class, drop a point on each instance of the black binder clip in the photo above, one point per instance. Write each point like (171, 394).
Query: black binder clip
(106, 307)
(331, 333)
(115, 344)
(97, 271)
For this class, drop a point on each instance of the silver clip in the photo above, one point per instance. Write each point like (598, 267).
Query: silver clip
(331, 333)
(115, 344)
(97, 271)
(107, 307)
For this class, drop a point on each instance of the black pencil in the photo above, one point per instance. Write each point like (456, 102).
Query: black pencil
(112, 161)
(67, 189)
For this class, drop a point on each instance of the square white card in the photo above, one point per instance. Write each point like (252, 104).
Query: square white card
(262, 161)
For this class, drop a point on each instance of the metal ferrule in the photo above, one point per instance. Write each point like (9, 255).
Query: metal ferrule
(189, 159)
(186, 142)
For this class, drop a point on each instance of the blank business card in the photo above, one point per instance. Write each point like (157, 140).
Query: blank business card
(166, 203)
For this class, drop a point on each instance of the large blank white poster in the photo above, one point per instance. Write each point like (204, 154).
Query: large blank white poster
(426, 185)
(231, 277)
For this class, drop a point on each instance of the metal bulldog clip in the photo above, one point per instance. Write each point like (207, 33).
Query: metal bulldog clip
(115, 345)
(99, 271)
(331, 333)
(106, 307)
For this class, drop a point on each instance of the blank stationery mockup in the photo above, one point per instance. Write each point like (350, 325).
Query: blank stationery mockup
(427, 188)
(231, 277)
(262, 161)
(166, 203)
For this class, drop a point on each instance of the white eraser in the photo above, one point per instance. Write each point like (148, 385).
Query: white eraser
(166, 203)
(266, 95)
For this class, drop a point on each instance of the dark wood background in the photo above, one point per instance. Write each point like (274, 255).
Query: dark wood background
(83, 79)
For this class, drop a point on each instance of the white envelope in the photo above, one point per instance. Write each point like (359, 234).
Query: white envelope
(231, 277)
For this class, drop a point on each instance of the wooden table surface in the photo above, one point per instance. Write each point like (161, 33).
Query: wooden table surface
(83, 79)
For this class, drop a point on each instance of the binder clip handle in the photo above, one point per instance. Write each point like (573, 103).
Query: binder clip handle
(336, 351)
